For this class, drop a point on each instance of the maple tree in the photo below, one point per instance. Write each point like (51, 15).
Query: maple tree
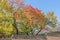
(30, 17)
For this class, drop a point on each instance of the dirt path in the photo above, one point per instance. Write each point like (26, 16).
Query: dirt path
(53, 38)
(48, 38)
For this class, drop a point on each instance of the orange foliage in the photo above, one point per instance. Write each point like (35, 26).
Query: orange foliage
(29, 7)
(8, 4)
(31, 12)
(35, 11)
(17, 16)
(28, 16)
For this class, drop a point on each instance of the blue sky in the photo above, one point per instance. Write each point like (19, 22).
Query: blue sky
(46, 5)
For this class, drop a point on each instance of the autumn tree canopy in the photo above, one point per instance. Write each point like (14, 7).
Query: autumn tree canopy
(15, 17)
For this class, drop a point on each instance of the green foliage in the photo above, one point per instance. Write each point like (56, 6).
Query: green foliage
(51, 20)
